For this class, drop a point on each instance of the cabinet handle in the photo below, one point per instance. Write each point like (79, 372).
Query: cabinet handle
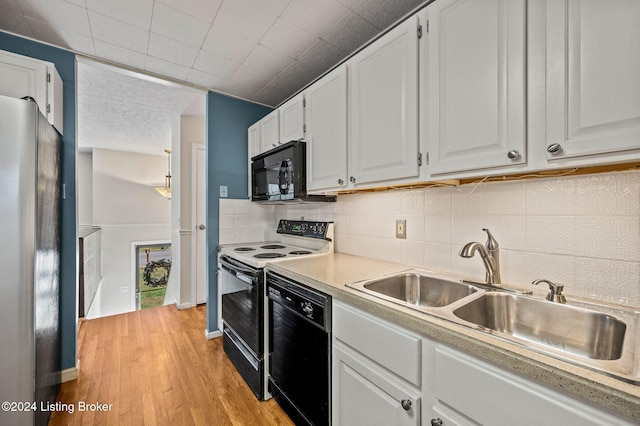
(513, 154)
(554, 149)
(436, 422)
(352, 179)
(406, 404)
(201, 227)
(273, 145)
(340, 181)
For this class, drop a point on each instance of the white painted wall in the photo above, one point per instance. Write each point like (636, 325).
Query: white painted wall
(128, 209)
(84, 164)
(582, 231)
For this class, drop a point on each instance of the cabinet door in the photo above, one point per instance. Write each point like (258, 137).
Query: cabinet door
(383, 88)
(593, 77)
(253, 148)
(21, 76)
(327, 132)
(269, 131)
(363, 396)
(292, 119)
(475, 84)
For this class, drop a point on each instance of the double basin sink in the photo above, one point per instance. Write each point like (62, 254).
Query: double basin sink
(598, 337)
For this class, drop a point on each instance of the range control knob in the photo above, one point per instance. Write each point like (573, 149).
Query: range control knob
(307, 309)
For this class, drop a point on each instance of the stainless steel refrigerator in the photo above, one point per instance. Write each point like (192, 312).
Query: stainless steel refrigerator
(30, 155)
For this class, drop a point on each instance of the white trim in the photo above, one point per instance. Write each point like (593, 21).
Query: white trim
(184, 305)
(194, 218)
(212, 334)
(70, 374)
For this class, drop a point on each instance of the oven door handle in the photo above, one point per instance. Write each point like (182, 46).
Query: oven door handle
(239, 269)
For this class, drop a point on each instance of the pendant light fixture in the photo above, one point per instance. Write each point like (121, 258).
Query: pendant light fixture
(166, 190)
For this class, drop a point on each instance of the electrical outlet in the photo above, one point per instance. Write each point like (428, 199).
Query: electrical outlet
(224, 191)
(401, 229)
(124, 289)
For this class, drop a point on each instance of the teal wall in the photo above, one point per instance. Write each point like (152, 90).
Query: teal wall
(66, 65)
(227, 122)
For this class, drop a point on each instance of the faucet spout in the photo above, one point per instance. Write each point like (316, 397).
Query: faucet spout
(489, 254)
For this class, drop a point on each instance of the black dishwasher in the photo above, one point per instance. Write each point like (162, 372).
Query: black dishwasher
(299, 350)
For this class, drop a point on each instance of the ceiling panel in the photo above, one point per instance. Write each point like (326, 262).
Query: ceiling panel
(260, 50)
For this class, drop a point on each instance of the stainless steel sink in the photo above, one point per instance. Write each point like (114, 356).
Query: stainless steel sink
(416, 290)
(580, 332)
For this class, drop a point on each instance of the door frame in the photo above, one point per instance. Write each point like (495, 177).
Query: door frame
(194, 220)
(134, 264)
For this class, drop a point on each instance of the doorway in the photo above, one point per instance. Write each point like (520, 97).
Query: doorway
(153, 265)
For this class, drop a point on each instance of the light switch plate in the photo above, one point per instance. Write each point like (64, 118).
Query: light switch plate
(224, 191)
(401, 228)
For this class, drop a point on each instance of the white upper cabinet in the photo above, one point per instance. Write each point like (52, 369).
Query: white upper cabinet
(253, 140)
(292, 119)
(592, 69)
(383, 89)
(474, 85)
(270, 131)
(326, 112)
(22, 76)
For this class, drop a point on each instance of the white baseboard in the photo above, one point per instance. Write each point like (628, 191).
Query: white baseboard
(184, 305)
(70, 373)
(213, 334)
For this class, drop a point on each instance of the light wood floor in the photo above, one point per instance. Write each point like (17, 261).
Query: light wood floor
(156, 368)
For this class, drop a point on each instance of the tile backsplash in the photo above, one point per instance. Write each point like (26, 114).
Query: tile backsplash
(580, 231)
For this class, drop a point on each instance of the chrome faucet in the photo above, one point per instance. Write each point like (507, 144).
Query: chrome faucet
(490, 254)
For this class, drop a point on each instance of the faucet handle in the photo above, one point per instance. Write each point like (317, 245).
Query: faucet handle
(555, 291)
(491, 244)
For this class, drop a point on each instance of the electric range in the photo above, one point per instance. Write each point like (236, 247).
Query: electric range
(242, 290)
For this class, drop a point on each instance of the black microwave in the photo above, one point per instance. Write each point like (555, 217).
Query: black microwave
(280, 175)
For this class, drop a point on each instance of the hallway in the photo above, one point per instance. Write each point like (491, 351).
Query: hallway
(155, 367)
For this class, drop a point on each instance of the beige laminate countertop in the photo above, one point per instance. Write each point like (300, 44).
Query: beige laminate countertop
(330, 273)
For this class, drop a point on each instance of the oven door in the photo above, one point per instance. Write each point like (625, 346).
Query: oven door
(242, 290)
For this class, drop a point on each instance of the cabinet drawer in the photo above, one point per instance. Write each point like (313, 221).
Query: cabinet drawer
(492, 396)
(387, 344)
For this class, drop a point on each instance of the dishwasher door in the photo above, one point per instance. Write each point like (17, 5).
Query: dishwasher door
(299, 350)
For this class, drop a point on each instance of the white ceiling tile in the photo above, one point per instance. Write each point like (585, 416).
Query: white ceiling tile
(226, 44)
(216, 65)
(287, 38)
(250, 77)
(244, 19)
(134, 12)
(178, 26)
(274, 6)
(350, 32)
(382, 13)
(119, 54)
(118, 33)
(267, 61)
(166, 68)
(205, 10)
(58, 13)
(14, 22)
(45, 32)
(314, 16)
(81, 3)
(171, 50)
(206, 79)
(78, 42)
(322, 55)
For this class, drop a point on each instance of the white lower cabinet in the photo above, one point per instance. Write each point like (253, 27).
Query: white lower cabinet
(462, 390)
(375, 371)
(384, 374)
